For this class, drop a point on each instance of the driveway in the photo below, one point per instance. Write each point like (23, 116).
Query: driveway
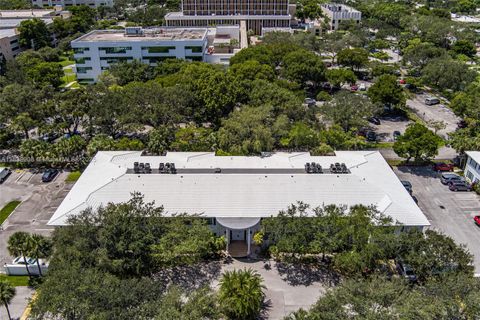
(437, 112)
(39, 201)
(388, 125)
(449, 212)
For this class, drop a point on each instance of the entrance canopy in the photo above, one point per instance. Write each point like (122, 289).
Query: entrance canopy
(238, 223)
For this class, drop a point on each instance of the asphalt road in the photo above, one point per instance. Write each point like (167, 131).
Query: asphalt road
(437, 112)
(39, 201)
(449, 212)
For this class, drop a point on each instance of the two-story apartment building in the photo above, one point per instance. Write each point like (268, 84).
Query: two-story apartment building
(236, 192)
(99, 49)
(472, 166)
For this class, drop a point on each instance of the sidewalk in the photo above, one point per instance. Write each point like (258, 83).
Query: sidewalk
(18, 304)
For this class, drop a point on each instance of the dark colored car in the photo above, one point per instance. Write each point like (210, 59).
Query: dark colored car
(443, 167)
(476, 219)
(396, 134)
(459, 186)
(4, 173)
(446, 177)
(49, 175)
(310, 102)
(374, 120)
(371, 136)
(407, 186)
(406, 271)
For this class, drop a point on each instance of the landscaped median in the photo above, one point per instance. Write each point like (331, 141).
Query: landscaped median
(16, 281)
(8, 209)
(73, 176)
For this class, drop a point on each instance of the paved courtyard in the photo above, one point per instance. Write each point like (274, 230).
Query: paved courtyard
(288, 287)
(449, 212)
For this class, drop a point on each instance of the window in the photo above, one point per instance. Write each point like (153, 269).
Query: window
(83, 69)
(80, 50)
(82, 60)
(158, 49)
(156, 59)
(199, 58)
(113, 50)
(115, 59)
(211, 221)
(195, 49)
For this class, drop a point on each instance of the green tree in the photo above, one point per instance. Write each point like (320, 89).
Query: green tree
(349, 110)
(41, 248)
(241, 294)
(19, 245)
(7, 292)
(337, 77)
(355, 58)
(419, 54)
(418, 142)
(303, 66)
(387, 91)
(34, 149)
(45, 74)
(301, 136)
(126, 72)
(459, 74)
(71, 147)
(192, 138)
(34, 34)
(465, 47)
(159, 139)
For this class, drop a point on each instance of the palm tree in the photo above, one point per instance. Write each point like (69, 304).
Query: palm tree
(7, 292)
(241, 294)
(20, 244)
(40, 248)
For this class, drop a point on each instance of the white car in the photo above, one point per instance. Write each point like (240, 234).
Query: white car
(362, 87)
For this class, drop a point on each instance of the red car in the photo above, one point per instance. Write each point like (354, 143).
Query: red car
(443, 167)
(476, 219)
(402, 81)
(354, 87)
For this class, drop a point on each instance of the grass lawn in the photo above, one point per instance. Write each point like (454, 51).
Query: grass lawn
(16, 281)
(69, 76)
(65, 63)
(73, 176)
(380, 145)
(7, 210)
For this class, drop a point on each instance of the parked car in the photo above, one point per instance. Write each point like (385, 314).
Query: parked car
(402, 81)
(49, 175)
(458, 185)
(362, 87)
(18, 267)
(476, 219)
(4, 173)
(430, 101)
(406, 271)
(354, 87)
(374, 120)
(371, 136)
(443, 166)
(407, 186)
(396, 134)
(446, 177)
(310, 102)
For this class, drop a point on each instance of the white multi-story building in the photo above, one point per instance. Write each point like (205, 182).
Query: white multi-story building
(472, 166)
(340, 12)
(69, 3)
(99, 49)
(234, 193)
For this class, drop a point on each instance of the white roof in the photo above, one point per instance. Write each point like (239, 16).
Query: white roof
(257, 188)
(475, 155)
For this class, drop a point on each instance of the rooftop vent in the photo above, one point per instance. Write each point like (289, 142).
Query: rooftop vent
(313, 167)
(339, 168)
(168, 167)
(133, 31)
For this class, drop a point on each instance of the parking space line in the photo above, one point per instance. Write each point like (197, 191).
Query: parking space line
(20, 176)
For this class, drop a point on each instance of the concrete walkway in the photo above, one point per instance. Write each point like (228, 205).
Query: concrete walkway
(18, 304)
(288, 287)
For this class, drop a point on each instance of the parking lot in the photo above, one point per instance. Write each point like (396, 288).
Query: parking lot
(388, 125)
(449, 212)
(39, 201)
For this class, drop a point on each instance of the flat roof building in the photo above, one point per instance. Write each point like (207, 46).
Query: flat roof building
(235, 192)
(256, 13)
(336, 13)
(98, 50)
(10, 20)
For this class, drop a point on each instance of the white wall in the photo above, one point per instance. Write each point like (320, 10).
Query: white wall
(472, 170)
